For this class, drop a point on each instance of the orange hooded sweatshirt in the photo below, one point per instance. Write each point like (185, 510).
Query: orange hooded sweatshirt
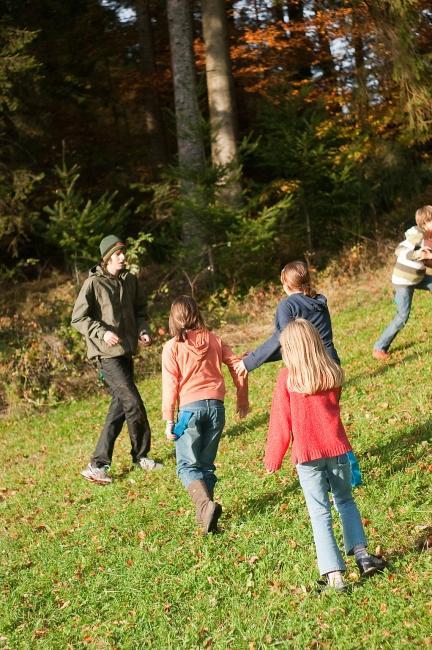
(192, 370)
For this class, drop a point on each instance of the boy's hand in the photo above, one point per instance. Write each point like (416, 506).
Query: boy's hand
(145, 340)
(270, 471)
(110, 338)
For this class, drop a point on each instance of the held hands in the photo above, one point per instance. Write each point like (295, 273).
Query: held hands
(110, 338)
(145, 340)
(240, 369)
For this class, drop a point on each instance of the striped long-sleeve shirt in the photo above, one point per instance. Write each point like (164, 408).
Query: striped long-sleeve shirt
(409, 269)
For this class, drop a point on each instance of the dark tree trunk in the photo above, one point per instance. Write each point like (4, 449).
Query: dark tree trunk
(153, 122)
(304, 55)
(188, 120)
(220, 95)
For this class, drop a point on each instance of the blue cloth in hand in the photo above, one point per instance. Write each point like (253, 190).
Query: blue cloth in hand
(356, 475)
(182, 422)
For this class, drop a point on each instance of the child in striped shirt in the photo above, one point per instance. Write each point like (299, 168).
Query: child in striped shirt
(410, 272)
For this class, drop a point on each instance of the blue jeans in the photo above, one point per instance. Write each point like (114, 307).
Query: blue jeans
(196, 449)
(315, 477)
(403, 298)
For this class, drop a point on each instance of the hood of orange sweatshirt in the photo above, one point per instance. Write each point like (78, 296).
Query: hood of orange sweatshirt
(198, 342)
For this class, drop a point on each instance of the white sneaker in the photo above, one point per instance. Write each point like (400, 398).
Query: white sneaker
(148, 464)
(97, 474)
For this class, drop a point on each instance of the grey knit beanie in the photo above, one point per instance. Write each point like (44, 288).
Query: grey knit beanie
(109, 245)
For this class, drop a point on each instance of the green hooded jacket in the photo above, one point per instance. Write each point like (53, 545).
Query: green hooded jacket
(114, 303)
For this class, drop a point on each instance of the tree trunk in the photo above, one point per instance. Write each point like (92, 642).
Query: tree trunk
(398, 27)
(277, 10)
(150, 101)
(221, 95)
(188, 120)
(360, 92)
(295, 10)
(326, 61)
(303, 56)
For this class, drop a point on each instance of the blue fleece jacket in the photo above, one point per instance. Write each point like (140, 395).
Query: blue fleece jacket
(297, 305)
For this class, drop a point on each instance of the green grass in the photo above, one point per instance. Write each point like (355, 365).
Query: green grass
(85, 566)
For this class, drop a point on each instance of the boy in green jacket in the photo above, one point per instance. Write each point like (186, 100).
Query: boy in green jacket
(110, 312)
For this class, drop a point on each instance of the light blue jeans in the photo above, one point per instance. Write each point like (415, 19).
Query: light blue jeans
(196, 449)
(403, 297)
(315, 477)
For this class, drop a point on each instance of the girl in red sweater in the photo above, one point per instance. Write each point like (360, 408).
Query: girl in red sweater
(192, 382)
(305, 415)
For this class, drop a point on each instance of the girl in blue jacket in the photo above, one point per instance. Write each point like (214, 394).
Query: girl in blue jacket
(302, 302)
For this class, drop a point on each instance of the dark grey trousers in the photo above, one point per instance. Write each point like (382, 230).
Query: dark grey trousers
(126, 404)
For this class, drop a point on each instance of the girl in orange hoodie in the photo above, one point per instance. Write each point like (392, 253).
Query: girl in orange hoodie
(193, 384)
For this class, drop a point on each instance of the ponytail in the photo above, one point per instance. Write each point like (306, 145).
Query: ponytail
(295, 276)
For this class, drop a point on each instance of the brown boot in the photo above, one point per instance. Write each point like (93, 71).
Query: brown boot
(198, 511)
(207, 511)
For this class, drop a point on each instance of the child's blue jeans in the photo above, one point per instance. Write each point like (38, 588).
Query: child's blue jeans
(403, 298)
(315, 476)
(196, 449)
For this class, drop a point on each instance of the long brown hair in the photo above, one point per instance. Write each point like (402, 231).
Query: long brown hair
(184, 315)
(295, 276)
(310, 368)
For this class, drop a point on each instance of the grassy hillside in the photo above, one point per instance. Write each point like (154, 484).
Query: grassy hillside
(85, 566)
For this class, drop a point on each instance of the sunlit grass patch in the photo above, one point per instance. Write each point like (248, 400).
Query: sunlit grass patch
(122, 566)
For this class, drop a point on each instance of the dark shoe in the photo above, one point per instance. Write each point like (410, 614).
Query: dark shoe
(370, 564)
(216, 514)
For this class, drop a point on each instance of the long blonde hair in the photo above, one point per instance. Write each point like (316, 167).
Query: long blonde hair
(310, 368)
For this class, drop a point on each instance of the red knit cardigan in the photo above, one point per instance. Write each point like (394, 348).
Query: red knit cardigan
(310, 423)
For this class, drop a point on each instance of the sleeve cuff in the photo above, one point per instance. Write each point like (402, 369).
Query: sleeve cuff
(249, 363)
(272, 468)
(101, 332)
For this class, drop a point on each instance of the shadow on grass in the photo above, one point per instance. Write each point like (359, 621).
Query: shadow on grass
(384, 366)
(128, 471)
(249, 508)
(244, 426)
(403, 444)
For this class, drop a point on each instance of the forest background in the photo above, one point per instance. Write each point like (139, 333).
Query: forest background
(219, 138)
